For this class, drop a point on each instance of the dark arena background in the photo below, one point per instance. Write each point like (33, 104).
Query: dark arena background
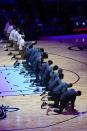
(48, 30)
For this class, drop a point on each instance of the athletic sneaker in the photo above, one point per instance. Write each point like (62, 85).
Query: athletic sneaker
(43, 104)
(48, 110)
(6, 49)
(10, 53)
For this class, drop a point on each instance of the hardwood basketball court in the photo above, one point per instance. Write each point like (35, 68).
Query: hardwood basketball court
(27, 113)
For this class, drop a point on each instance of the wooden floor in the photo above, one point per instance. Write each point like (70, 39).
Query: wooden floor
(30, 116)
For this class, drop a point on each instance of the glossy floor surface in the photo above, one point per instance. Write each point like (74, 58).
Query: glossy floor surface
(25, 113)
